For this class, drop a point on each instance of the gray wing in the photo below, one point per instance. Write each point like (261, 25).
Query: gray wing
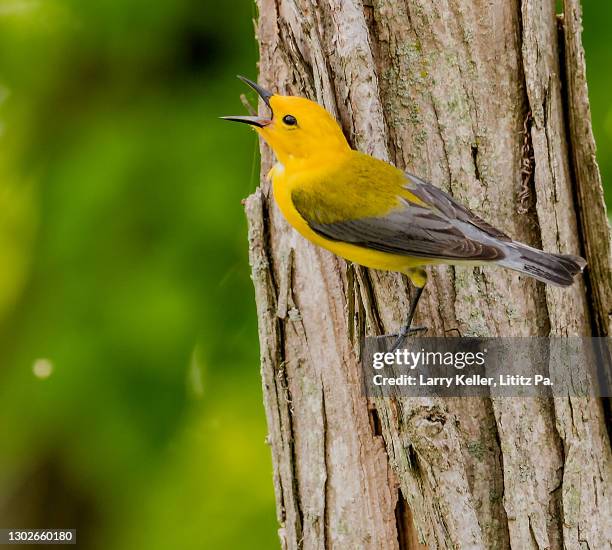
(449, 207)
(444, 229)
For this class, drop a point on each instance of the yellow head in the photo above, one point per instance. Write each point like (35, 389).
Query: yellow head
(299, 128)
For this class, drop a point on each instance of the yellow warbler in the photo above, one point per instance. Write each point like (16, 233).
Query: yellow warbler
(372, 213)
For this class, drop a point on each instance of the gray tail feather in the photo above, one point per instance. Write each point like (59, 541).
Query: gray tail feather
(555, 269)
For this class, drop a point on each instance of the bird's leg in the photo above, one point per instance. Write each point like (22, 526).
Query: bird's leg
(407, 329)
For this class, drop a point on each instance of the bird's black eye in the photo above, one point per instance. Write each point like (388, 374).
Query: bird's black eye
(289, 120)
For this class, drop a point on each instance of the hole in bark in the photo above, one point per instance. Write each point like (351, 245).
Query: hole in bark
(401, 520)
(407, 536)
(475, 159)
(413, 459)
(375, 423)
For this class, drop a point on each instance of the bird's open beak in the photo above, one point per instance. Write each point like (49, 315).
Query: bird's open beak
(258, 121)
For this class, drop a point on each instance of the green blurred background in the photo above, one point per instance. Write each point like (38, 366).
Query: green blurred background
(130, 400)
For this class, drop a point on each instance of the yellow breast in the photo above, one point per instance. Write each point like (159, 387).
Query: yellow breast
(284, 182)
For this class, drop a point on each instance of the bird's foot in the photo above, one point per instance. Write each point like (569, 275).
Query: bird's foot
(403, 334)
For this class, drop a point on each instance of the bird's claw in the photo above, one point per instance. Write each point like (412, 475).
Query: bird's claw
(402, 335)
(405, 333)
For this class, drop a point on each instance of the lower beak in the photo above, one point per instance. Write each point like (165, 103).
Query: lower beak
(258, 121)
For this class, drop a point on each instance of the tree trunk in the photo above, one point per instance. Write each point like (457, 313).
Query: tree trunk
(488, 101)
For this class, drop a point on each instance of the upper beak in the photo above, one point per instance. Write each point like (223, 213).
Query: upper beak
(260, 122)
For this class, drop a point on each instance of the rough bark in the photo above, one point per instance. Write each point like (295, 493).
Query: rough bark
(487, 100)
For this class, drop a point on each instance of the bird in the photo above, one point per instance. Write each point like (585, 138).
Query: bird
(374, 214)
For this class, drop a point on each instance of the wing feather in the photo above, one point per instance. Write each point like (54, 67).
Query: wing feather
(449, 207)
(440, 228)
